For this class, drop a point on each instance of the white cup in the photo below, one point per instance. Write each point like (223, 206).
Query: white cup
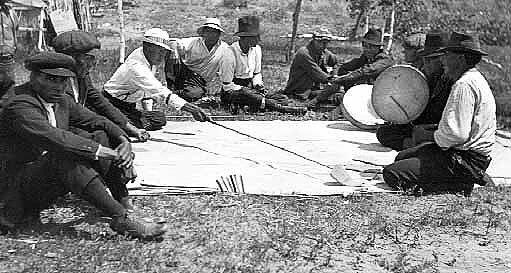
(147, 104)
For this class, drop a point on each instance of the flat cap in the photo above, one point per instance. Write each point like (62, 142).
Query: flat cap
(52, 63)
(75, 42)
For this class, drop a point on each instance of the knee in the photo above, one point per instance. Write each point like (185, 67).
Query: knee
(193, 94)
(101, 137)
(390, 176)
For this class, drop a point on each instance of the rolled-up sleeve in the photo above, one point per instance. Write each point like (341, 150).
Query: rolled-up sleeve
(455, 126)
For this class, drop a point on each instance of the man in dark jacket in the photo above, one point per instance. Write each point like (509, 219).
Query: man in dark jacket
(40, 159)
(80, 45)
(6, 72)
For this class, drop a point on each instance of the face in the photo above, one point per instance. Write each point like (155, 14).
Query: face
(50, 87)
(432, 66)
(154, 54)
(247, 42)
(6, 77)
(210, 35)
(370, 50)
(451, 61)
(410, 54)
(321, 45)
(85, 62)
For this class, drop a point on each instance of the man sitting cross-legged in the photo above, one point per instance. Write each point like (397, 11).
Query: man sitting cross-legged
(240, 72)
(41, 160)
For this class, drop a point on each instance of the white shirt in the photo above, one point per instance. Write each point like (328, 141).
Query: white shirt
(243, 66)
(196, 56)
(134, 80)
(469, 118)
(50, 112)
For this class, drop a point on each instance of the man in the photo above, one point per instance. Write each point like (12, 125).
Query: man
(309, 74)
(81, 46)
(196, 61)
(399, 137)
(456, 155)
(134, 81)
(6, 72)
(240, 72)
(41, 160)
(412, 44)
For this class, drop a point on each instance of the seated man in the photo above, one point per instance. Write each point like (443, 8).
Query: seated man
(309, 72)
(456, 155)
(134, 82)
(399, 136)
(412, 44)
(41, 160)
(81, 45)
(196, 61)
(6, 72)
(362, 70)
(240, 72)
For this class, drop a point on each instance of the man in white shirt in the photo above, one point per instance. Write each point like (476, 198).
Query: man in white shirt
(240, 73)
(134, 81)
(456, 155)
(196, 62)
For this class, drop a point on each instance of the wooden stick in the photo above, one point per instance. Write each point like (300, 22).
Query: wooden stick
(232, 182)
(219, 186)
(242, 184)
(122, 41)
(296, 15)
(227, 184)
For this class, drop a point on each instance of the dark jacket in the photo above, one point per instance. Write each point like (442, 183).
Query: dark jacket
(363, 70)
(308, 70)
(440, 88)
(25, 131)
(94, 100)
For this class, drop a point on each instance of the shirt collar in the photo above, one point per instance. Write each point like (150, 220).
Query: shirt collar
(45, 104)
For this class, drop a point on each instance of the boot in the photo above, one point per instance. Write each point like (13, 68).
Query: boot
(137, 228)
(272, 105)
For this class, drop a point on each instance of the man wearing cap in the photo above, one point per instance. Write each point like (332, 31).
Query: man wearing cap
(41, 160)
(455, 156)
(399, 136)
(196, 61)
(411, 45)
(6, 72)
(240, 71)
(309, 72)
(83, 46)
(134, 81)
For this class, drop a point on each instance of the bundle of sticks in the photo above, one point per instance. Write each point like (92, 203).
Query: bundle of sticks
(231, 183)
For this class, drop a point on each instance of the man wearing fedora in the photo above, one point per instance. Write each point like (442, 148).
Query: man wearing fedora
(455, 156)
(309, 74)
(399, 136)
(240, 72)
(134, 81)
(196, 61)
(41, 160)
(83, 46)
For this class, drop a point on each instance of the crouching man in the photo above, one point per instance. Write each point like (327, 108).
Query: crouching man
(455, 156)
(240, 72)
(41, 160)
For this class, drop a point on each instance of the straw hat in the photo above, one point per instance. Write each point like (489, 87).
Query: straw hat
(322, 34)
(158, 37)
(211, 23)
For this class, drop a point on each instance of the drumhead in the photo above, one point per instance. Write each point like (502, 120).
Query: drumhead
(357, 108)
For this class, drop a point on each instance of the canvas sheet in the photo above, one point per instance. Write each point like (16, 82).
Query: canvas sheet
(188, 157)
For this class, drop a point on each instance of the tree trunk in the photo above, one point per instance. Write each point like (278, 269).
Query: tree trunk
(122, 42)
(353, 34)
(296, 14)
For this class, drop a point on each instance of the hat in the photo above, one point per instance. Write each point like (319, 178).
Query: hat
(158, 37)
(434, 41)
(463, 42)
(415, 40)
(75, 42)
(373, 37)
(322, 34)
(6, 55)
(52, 63)
(211, 23)
(248, 26)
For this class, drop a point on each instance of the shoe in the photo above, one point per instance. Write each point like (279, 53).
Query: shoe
(127, 203)
(138, 228)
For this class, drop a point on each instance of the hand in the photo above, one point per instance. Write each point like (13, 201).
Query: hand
(126, 155)
(196, 112)
(338, 79)
(260, 88)
(420, 135)
(141, 134)
(107, 153)
(337, 98)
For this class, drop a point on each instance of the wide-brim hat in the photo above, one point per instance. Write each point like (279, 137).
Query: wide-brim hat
(434, 41)
(213, 23)
(75, 42)
(463, 42)
(322, 34)
(52, 63)
(373, 37)
(248, 26)
(158, 37)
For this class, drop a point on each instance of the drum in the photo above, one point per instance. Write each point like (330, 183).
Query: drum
(357, 108)
(400, 94)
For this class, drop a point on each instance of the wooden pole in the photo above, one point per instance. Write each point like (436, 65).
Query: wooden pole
(391, 28)
(122, 42)
(296, 15)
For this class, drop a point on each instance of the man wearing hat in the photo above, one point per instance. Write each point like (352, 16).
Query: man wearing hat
(42, 160)
(399, 136)
(361, 70)
(240, 71)
(134, 81)
(455, 156)
(6, 72)
(196, 61)
(310, 70)
(83, 46)
(411, 45)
